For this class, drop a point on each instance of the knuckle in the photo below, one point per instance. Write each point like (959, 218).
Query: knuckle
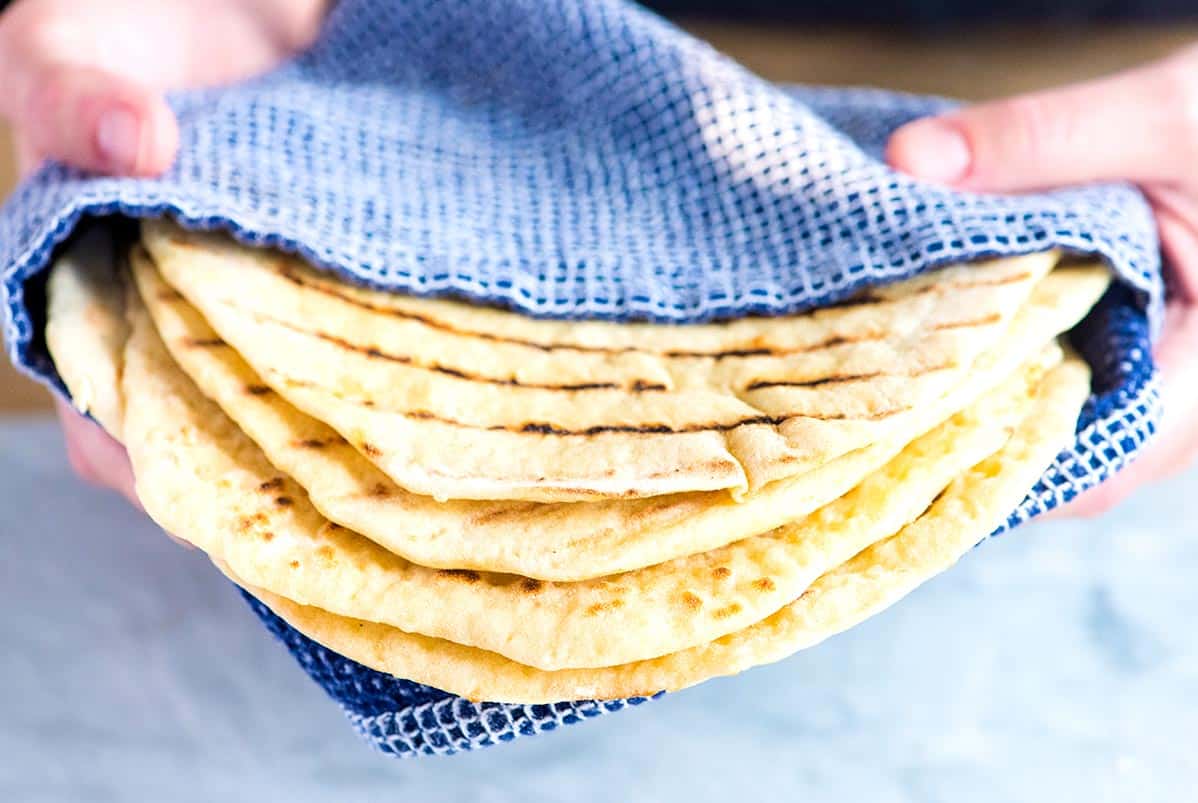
(1035, 126)
(40, 28)
(301, 25)
(29, 35)
(32, 41)
(48, 92)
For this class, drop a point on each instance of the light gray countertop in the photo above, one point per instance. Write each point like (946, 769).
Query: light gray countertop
(1058, 663)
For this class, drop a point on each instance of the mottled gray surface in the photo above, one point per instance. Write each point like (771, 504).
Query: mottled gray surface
(1059, 663)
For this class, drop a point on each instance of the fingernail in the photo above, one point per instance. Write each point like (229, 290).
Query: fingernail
(934, 150)
(118, 137)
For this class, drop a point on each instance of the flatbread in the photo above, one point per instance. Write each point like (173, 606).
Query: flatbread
(85, 326)
(455, 402)
(564, 541)
(797, 546)
(628, 617)
(962, 516)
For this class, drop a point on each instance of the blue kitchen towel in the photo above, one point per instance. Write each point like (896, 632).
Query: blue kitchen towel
(583, 158)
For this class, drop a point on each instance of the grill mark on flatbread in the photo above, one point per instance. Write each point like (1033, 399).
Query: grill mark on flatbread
(763, 351)
(636, 385)
(317, 443)
(864, 299)
(541, 428)
(985, 320)
(935, 500)
(1005, 280)
(544, 428)
(664, 429)
(838, 379)
(812, 383)
(203, 342)
(841, 340)
(376, 353)
(291, 275)
(465, 575)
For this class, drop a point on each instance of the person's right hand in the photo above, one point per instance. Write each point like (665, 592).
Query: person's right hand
(1140, 126)
(84, 82)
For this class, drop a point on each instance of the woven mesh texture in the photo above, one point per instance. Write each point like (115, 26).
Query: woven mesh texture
(405, 718)
(583, 158)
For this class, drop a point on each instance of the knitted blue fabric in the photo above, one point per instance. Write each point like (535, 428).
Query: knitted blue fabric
(583, 158)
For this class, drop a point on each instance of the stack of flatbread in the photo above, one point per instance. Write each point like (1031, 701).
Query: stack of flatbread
(525, 510)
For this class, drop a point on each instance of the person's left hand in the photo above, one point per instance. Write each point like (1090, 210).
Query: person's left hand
(1140, 126)
(85, 84)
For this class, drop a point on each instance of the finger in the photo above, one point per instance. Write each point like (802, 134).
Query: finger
(1097, 501)
(1176, 213)
(1176, 444)
(100, 459)
(94, 120)
(95, 455)
(1162, 459)
(1137, 125)
(76, 455)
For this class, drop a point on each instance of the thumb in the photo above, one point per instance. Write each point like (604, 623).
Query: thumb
(1136, 125)
(94, 120)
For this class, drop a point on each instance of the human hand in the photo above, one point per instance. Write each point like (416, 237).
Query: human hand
(84, 85)
(1140, 126)
(84, 79)
(95, 455)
